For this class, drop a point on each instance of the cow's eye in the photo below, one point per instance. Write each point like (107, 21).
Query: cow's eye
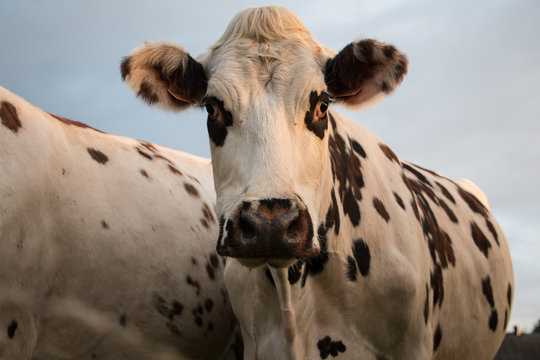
(321, 109)
(323, 106)
(212, 110)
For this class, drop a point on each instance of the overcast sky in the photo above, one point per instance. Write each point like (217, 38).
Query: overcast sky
(469, 107)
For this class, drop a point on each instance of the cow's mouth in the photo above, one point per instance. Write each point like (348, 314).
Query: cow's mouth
(269, 231)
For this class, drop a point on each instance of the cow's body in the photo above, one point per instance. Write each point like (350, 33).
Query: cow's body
(341, 248)
(389, 287)
(106, 245)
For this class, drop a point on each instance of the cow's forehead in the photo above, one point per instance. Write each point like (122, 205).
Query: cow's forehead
(243, 73)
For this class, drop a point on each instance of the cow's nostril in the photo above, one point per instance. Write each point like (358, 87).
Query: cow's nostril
(248, 224)
(294, 229)
(248, 231)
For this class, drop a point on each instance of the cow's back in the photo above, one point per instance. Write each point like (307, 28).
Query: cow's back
(119, 230)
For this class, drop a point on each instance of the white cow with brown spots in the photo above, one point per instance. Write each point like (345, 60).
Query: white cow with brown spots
(107, 245)
(341, 248)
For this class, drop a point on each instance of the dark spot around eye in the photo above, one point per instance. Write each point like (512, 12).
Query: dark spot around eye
(218, 123)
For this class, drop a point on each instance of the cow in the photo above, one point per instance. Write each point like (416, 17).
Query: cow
(107, 245)
(337, 247)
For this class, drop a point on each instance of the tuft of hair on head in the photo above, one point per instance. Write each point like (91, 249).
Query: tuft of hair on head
(263, 24)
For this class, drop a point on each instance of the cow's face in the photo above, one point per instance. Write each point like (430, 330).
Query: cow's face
(267, 85)
(267, 122)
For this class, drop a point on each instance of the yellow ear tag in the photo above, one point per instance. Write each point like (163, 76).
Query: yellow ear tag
(178, 97)
(351, 93)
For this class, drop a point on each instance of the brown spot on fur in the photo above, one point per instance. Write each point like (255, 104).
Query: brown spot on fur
(480, 239)
(74, 123)
(149, 146)
(10, 118)
(428, 171)
(389, 153)
(191, 282)
(473, 202)
(214, 261)
(389, 51)
(207, 213)
(437, 286)
(362, 256)
(415, 209)
(104, 224)
(125, 67)
(493, 320)
(413, 169)
(191, 190)
(440, 244)
(204, 223)
(145, 174)
(174, 170)
(448, 211)
(122, 320)
(379, 206)
(208, 305)
(171, 310)
(346, 168)
(98, 156)
(147, 94)
(399, 201)
(12, 327)
(144, 154)
(437, 337)
(445, 251)
(210, 271)
(492, 230)
(445, 192)
(488, 291)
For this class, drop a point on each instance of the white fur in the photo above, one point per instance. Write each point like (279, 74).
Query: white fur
(106, 240)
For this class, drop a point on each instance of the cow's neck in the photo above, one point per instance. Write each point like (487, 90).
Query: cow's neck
(342, 188)
(342, 185)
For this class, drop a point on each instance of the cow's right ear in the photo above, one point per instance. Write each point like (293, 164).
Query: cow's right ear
(363, 71)
(165, 75)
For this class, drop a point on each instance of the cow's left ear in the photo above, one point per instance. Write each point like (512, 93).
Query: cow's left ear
(165, 75)
(363, 70)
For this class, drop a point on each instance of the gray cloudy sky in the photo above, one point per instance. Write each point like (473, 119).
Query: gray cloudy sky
(469, 107)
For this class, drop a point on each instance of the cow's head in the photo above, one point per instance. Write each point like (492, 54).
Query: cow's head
(267, 85)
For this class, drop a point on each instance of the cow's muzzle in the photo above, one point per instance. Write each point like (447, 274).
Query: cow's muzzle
(273, 231)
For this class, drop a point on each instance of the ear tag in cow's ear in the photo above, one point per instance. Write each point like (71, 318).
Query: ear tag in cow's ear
(176, 96)
(351, 93)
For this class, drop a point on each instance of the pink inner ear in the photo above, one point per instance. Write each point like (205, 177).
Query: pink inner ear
(365, 93)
